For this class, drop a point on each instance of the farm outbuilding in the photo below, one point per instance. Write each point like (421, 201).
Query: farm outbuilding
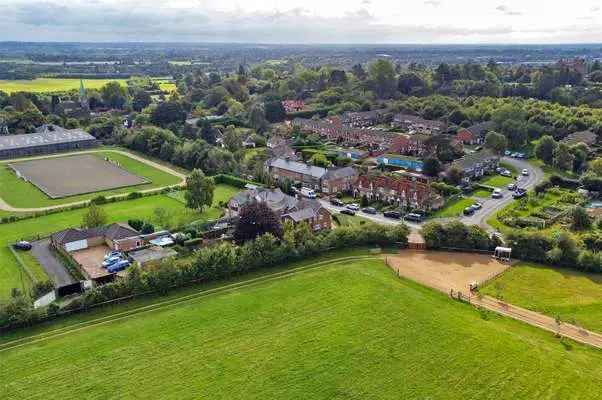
(46, 140)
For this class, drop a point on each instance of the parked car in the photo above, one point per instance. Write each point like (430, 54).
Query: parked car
(118, 266)
(513, 155)
(353, 207)
(507, 153)
(392, 214)
(369, 210)
(112, 254)
(336, 202)
(347, 212)
(497, 194)
(506, 173)
(520, 155)
(111, 260)
(22, 245)
(525, 172)
(413, 217)
(477, 206)
(511, 186)
(519, 193)
(468, 210)
(307, 192)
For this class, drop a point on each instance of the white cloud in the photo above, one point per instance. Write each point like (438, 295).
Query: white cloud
(300, 21)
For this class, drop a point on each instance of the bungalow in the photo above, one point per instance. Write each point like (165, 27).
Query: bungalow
(397, 190)
(588, 137)
(477, 164)
(120, 237)
(474, 134)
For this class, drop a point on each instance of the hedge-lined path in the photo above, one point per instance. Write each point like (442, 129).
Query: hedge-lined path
(161, 167)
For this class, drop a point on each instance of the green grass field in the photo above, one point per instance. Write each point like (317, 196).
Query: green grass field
(10, 273)
(574, 296)
(481, 193)
(46, 85)
(18, 193)
(222, 194)
(497, 181)
(350, 330)
(454, 208)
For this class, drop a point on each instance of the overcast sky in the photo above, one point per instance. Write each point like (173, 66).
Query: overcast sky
(304, 21)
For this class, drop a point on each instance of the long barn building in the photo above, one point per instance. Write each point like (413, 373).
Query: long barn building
(47, 139)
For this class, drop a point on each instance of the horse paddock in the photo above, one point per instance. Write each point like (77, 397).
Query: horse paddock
(446, 270)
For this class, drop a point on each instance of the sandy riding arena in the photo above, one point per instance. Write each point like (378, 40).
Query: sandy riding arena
(445, 270)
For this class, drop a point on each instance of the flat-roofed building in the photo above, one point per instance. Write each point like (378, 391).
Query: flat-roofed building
(46, 140)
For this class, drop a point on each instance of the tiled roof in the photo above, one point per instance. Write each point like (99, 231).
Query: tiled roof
(294, 166)
(338, 173)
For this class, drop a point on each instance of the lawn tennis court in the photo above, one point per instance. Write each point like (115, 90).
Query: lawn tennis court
(60, 177)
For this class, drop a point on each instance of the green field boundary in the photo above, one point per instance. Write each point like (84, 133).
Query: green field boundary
(171, 302)
(22, 264)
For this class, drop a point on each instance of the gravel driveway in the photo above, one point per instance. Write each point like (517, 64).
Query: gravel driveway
(52, 265)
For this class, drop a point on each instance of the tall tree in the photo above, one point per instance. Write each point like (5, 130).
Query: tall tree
(545, 148)
(114, 95)
(95, 217)
(563, 157)
(382, 75)
(199, 190)
(255, 220)
(496, 142)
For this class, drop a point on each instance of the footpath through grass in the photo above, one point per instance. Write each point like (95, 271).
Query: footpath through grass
(575, 297)
(143, 208)
(348, 330)
(19, 193)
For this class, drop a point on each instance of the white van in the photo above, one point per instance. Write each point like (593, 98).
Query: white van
(309, 193)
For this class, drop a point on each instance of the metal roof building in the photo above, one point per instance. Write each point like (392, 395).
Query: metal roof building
(47, 139)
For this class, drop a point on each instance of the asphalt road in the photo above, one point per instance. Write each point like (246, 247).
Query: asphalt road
(490, 206)
(51, 264)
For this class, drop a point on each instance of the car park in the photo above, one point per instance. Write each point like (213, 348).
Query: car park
(22, 245)
(392, 214)
(369, 210)
(413, 217)
(118, 266)
(336, 202)
(347, 212)
(353, 207)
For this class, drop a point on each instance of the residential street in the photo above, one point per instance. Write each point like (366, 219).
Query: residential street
(490, 206)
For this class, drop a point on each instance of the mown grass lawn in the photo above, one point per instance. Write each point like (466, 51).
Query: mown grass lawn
(349, 220)
(10, 274)
(454, 207)
(19, 193)
(348, 330)
(46, 85)
(222, 194)
(574, 296)
(498, 181)
(481, 193)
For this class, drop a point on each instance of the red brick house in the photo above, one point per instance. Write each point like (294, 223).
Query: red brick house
(401, 190)
(474, 134)
(339, 180)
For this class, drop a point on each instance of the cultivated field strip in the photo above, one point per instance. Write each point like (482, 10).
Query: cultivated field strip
(168, 303)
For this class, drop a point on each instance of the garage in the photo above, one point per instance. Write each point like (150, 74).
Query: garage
(76, 245)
